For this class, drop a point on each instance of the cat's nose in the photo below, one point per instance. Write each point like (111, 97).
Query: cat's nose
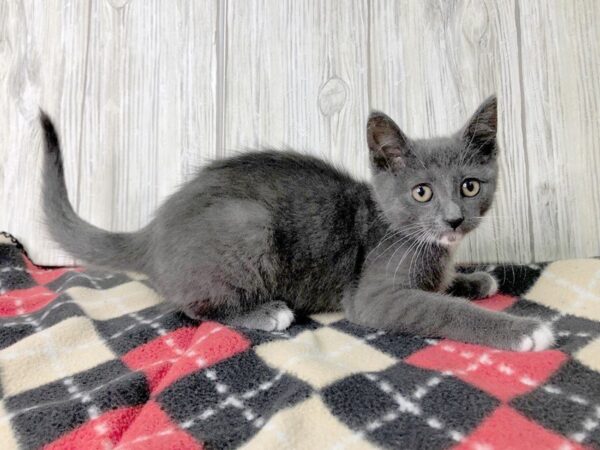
(455, 223)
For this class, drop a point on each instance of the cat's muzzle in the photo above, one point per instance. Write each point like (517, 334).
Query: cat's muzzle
(450, 238)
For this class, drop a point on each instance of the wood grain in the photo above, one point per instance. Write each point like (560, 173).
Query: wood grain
(145, 91)
(133, 88)
(561, 89)
(297, 77)
(43, 57)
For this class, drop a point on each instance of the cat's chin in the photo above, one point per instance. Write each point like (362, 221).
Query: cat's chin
(450, 239)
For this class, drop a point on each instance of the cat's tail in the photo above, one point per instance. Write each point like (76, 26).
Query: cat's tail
(97, 247)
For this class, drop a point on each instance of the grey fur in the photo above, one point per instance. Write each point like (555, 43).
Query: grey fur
(253, 237)
(473, 285)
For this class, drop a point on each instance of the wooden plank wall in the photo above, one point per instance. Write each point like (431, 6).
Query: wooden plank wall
(146, 91)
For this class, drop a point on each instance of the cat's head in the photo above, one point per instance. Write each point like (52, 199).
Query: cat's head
(435, 189)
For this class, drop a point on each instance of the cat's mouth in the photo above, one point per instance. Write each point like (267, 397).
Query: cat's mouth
(450, 238)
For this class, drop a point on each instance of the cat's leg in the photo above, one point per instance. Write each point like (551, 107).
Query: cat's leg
(473, 285)
(430, 314)
(269, 316)
(272, 316)
(227, 271)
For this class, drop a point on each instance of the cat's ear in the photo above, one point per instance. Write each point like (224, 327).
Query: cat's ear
(479, 134)
(388, 145)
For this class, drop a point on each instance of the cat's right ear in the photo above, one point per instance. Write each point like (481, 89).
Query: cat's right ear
(479, 134)
(388, 145)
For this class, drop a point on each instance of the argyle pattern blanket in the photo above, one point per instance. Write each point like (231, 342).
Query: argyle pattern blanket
(91, 360)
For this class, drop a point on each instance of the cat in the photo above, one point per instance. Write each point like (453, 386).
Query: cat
(256, 238)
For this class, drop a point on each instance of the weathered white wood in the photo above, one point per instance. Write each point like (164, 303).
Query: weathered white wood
(561, 88)
(42, 60)
(133, 88)
(144, 91)
(431, 64)
(296, 76)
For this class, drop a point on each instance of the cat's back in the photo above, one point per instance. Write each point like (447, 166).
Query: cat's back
(272, 175)
(280, 181)
(273, 164)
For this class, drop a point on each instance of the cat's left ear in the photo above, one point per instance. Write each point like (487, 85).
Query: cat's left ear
(479, 134)
(389, 147)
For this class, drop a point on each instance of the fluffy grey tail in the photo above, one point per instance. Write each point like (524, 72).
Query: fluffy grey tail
(121, 251)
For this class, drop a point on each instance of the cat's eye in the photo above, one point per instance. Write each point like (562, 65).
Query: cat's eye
(422, 193)
(470, 187)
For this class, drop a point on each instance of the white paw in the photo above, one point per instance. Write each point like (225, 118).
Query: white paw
(542, 338)
(493, 290)
(283, 319)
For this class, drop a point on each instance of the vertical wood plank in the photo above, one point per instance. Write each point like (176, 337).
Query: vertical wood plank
(561, 88)
(296, 75)
(133, 88)
(42, 58)
(432, 63)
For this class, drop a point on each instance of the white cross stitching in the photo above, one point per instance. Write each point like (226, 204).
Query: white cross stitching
(265, 386)
(405, 406)
(23, 317)
(88, 393)
(526, 380)
(12, 269)
(502, 368)
(72, 275)
(92, 410)
(591, 422)
(59, 290)
(159, 330)
(56, 292)
(230, 400)
(583, 293)
(486, 360)
(7, 356)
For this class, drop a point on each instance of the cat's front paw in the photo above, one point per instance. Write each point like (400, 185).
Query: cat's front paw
(540, 338)
(489, 285)
(474, 285)
(282, 316)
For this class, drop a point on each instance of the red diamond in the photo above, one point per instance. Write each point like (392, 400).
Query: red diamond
(153, 430)
(503, 374)
(25, 301)
(156, 357)
(99, 433)
(170, 357)
(506, 428)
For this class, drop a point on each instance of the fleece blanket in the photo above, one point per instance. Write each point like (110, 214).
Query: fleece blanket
(91, 360)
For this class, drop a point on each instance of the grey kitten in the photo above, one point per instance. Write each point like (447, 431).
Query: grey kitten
(254, 238)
